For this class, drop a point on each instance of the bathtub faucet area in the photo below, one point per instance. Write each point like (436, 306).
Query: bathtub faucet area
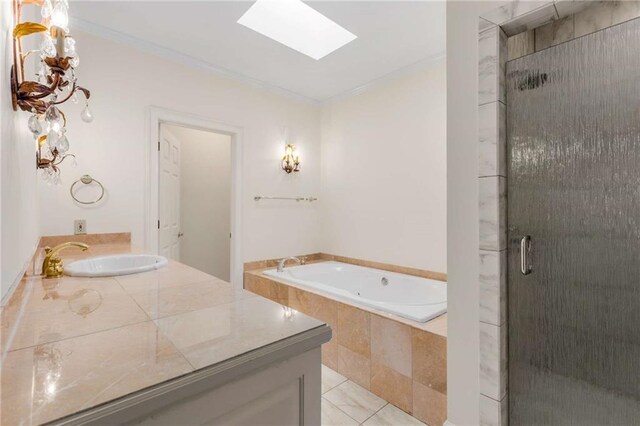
(284, 260)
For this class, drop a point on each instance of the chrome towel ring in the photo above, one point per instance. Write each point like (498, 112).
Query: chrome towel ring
(86, 179)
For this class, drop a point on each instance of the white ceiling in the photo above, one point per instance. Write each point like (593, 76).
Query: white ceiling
(391, 35)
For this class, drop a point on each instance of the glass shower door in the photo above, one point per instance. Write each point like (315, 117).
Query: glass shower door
(573, 128)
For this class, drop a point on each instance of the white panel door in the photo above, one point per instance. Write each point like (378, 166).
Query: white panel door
(169, 196)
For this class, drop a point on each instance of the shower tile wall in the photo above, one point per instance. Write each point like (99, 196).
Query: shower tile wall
(597, 16)
(492, 49)
(511, 31)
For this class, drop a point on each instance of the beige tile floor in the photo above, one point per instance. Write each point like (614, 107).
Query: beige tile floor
(345, 403)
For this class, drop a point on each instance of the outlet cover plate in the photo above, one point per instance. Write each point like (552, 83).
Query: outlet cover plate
(79, 227)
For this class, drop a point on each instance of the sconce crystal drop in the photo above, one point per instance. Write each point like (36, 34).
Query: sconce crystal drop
(63, 144)
(53, 137)
(47, 48)
(86, 114)
(34, 125)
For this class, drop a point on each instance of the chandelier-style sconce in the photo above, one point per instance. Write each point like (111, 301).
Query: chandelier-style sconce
(56, 82)
(290, 160)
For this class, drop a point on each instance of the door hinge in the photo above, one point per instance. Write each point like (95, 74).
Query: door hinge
(158, 223)
(158, 145)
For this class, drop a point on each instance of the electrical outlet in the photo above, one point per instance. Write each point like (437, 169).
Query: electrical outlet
(79, 227)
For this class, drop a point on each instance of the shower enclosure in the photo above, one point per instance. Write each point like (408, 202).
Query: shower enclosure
(573, 131)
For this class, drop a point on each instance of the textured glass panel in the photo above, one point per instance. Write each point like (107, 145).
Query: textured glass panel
(573, 124)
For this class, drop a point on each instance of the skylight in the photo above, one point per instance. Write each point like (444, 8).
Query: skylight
(296, 25)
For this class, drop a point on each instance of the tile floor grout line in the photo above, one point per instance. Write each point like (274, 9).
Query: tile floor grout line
(372, 415)
(367, 419)
(339, 409)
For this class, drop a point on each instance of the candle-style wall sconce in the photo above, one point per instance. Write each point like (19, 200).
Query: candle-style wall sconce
(56, 81)
(290, 160)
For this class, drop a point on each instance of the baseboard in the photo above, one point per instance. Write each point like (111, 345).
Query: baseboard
(448, 423)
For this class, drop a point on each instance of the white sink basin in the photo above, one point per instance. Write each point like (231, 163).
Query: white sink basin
(109, 266)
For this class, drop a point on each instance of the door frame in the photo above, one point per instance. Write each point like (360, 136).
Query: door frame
(158, 116)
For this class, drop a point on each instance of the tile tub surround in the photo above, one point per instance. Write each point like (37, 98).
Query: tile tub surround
(316, 257)
(398, 360)
(73, 343)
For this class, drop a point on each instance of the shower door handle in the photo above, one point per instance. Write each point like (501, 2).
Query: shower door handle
(525, 249)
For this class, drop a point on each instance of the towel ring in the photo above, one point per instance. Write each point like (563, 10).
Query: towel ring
(86, 179)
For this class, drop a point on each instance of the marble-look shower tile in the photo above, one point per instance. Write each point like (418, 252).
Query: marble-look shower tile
(493, 213)
(483, 24)
(492, 56)
(512, 10)
(493, 286)
(530, 20)
(521, 44)
(554, 33)
(492, 135)
(570, 7)
(604, 14)
(493, 360)
(492, 412)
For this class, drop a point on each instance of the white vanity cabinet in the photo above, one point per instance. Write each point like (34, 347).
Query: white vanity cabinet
(278, 385)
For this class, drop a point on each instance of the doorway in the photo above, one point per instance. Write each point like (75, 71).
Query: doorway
(173, 244)
(195, 198)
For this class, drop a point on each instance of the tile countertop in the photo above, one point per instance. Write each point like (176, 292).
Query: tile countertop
(80, 342)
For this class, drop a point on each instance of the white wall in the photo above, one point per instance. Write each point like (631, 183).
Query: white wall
(384, 171)
(124, 82)
(205, 200)
(18, 200)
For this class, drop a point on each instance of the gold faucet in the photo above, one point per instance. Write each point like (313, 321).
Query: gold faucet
(52, 265)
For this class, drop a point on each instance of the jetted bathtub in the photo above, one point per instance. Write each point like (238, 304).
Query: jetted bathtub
(414, 298)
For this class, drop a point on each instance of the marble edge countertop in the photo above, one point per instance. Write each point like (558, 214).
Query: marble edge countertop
(70, 344)
(437, 325)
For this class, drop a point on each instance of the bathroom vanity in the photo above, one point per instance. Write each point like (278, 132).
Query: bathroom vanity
(169, 346)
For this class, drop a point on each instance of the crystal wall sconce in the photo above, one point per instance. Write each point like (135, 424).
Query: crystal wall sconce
(290, 160)
(56, 82)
